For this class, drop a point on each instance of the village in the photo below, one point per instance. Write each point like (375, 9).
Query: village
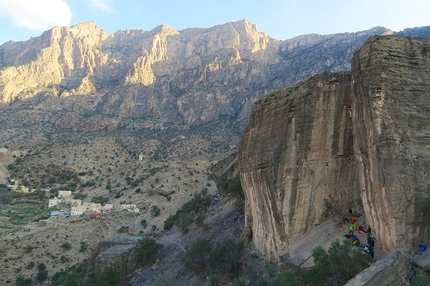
(68, 206)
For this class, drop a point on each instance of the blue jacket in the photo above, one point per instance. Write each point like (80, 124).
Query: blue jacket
(422, 247)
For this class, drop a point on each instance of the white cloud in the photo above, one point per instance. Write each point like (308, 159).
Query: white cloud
(103, 5)
(37, 15)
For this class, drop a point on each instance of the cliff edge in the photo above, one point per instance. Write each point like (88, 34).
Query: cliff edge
(304, 144)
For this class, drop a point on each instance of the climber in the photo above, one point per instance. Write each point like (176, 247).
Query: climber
(422, 246)
(349, 109)
(353, 221)
(371, 245)
(351, 229)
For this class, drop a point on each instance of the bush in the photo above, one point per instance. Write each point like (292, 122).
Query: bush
(286, 278)
(28, 249)
(165, 281)
(22, 281)
(42, 275)
(146, 249)
(79, 196)
(108, 276)
(155, 211)
(66, 246)
(100, 200)
(30, 265)
(169, 222)
(337, 265)
(41, 266)
(191, 209)
(271, 94)
(143, 223)
(214, 280)
(83, 248)
(196, 254)
(226, 256)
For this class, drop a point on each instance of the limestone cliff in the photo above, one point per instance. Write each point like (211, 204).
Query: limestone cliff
(187, 77)
(302, 145)
(297, 150)
(391, 98)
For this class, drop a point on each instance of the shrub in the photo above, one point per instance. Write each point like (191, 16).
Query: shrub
(186, 214)
(22, 281)
(100, 199)
(183, 221)
(165, 281)
(169, 222)
(340, 263)
(41, 266)
(214, 280)
(79, 196)
(286, 278)
(30, 265)
(150, 192)
(272, 93)
(155, 211)
(146, 249)
(42, 275)
(28, 249)
(83, 248)
(66, 246)
(123, 229)
(226, 256)
(108, 276)
(196, 254)
(143, 223)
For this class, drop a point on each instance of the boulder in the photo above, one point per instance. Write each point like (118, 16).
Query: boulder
(118, 254)
(423, 260)
(391, 270)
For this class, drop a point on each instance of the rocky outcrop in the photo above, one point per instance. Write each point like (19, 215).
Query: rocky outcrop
(390, 100)
(187, 77)
(392, 270)
(296, 151)
(423, 261)
(302, 146)
(116, 253)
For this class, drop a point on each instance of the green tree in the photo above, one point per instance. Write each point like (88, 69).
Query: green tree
(165, 281)
(226, 256)
(145, 249)
(28, 249)
(22, 281)
(196, 254)
(100, 199)
(143, 223)
(286, 278)
(108, 277)
(155, 211)
(340, 263)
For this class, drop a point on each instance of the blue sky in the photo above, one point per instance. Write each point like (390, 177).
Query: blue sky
(22, 19)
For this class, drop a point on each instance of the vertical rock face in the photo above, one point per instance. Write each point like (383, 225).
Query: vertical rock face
(297, 150)
(301, 146)
(391, 94)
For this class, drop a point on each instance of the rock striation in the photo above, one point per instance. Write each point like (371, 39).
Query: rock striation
(302, 146)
